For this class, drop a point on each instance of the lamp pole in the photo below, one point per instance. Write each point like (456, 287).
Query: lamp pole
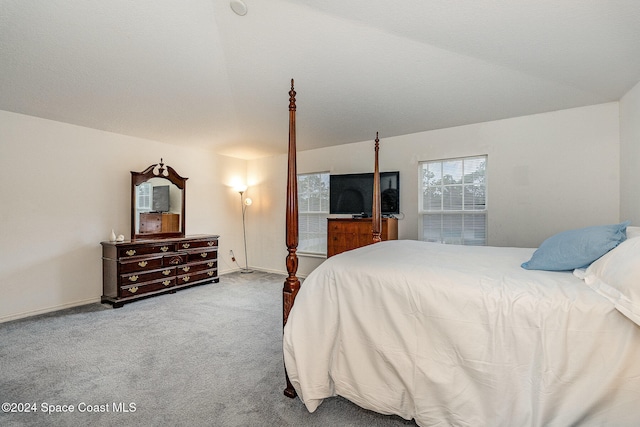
(243, 204)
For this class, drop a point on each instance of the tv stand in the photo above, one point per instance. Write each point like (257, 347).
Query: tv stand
(344, 234)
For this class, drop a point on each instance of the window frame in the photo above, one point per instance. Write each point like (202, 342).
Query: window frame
(144, 202)
(464, 213)
(322, 215)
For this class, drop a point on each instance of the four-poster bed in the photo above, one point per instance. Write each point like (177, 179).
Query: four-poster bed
(292, 283)
(460, 335)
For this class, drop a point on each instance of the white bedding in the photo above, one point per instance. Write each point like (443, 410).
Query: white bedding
(460, 335)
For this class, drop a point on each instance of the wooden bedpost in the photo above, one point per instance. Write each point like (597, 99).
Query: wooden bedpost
(292, 283)
(376, 220)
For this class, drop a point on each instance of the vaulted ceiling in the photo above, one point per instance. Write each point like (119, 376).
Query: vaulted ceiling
(192, 72)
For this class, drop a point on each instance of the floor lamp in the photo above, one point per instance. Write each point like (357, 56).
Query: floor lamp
(244, 202)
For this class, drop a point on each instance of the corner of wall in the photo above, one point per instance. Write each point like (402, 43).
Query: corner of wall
(630, 155)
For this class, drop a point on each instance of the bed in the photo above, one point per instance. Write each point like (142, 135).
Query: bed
(465, 336)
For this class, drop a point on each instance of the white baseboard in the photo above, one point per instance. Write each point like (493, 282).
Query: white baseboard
(264, 270)
(24, 314)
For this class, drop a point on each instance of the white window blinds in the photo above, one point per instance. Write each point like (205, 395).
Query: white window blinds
(453, 203)
(313, 210)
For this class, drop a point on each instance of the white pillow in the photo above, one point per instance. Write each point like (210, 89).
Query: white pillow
(616, 276)
(632, 232)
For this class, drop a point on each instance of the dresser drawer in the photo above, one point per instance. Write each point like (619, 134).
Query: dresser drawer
(143, 288)
(198, 266)
(194, 244)
(186, 279)
(209, 274)
(146, 276)
(344, 234)
(159, 248)
(175, 259)
(141, 264)
(202, 255)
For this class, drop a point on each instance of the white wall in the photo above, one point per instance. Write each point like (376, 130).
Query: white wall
(630, 156)
(547, 173)
(65, 187)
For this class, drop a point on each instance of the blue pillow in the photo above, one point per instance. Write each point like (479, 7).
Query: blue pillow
(576, 248)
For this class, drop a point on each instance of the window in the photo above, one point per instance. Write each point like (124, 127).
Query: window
(453, 202)
(144, 196)
(313, 210)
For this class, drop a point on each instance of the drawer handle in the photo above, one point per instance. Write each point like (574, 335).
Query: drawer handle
(185, 278)
(211, 243)
(166, 272)
(185, 269)
(211, 273)
(133, 290)
(203, 254)
(185, 245)
(164, 248)
(175, 261)
(210, 264)
(133, 278)
(131, 252)
(166, 282)
(143, 263)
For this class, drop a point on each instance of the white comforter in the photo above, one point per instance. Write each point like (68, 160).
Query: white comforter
(463, 336)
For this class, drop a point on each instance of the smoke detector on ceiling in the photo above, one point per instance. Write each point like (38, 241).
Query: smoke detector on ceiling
(238, 7)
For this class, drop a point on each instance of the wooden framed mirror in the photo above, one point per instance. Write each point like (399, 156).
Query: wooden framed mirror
(157, 203)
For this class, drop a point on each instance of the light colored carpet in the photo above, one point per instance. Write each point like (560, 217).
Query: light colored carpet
(205, 356)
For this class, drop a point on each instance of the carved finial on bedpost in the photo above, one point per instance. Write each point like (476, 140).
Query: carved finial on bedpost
(376, 221)
(291, 283)
(292, 99)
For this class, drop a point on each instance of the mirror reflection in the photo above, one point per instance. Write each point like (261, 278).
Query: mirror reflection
(158, 207)
(157, 203)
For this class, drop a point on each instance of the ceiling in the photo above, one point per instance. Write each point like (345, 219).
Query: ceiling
(192, 72)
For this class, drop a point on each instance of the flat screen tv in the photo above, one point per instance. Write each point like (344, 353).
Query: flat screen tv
(160, 200)
(353, 193)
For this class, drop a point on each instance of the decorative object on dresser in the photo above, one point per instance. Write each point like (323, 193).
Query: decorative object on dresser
(344, 234)
(139, 269)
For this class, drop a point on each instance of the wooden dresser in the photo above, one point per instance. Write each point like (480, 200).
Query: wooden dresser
(156, 222)
(344, 234)
(137, 269)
